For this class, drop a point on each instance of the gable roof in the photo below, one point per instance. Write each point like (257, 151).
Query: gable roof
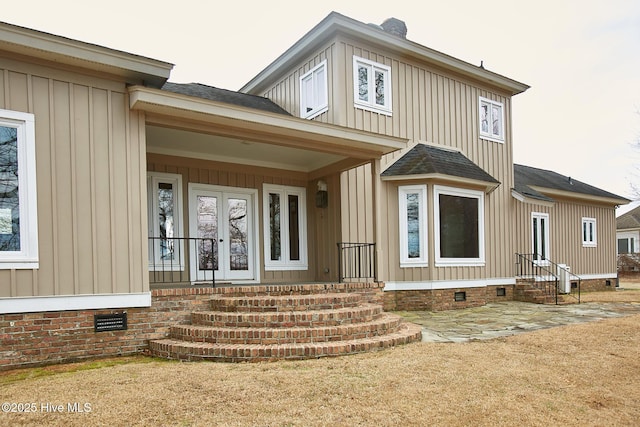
(223, 95)
(424, 161)
(630, 219)
(542, 184)
(335, 22)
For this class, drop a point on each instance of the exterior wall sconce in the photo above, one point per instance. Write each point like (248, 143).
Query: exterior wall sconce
(322, 196)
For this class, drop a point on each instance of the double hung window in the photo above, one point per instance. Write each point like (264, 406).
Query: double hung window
(589, 232)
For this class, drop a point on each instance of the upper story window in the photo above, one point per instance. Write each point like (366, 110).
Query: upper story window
(589, 232)
(491, 120)
(166, 251)
(18, 210)
(372, 85)
(313, 92)
(412, 202)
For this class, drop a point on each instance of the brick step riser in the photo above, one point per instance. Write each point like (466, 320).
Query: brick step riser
(266, 353)
(283, 336)
(287, 319)
(285, 303)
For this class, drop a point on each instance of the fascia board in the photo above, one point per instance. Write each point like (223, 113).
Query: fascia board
(336, 22)
(574, 195)
(187, 107)
(67, 51)
(488, 186)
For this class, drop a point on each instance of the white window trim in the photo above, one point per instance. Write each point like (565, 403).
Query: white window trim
(586, 243)
(27, 256)
(545, 216)
(285, 263)
(405, 261)
(460, 192)
(489, 135)
(320, 108)
(371, 105)
(153, 179)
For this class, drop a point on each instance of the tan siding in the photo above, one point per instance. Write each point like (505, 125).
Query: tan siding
(565, 228)
(88, 174)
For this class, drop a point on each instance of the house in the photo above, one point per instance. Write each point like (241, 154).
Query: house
(627, 236)
(357, 162)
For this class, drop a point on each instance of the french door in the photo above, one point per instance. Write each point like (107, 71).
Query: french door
(225, 215)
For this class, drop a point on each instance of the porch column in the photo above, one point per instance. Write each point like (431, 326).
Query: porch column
(376, 215)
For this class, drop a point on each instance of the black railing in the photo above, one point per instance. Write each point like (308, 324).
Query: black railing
(170, 260)
(357, 261)
(548, 276)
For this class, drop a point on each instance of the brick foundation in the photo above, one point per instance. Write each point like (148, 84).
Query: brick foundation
(44, 338)
(444, 299)
(598, 285)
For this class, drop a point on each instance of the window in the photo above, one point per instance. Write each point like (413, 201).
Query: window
(372, 85)
(413, 225)
(18, 210)
(540, 237)
(459, 226)
(589, 232)
(313, 92)
(491, 120)
(285, 228)
(166, 252)
(626, 245)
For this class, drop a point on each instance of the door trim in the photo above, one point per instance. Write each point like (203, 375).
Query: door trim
(252, 193)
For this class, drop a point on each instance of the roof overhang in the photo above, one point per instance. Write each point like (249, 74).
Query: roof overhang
(523, 198)
(131, 68)
(454, 180)
(336, 22)
(183, 112)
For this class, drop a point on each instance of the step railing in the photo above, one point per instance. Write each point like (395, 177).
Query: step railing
(170, 260)
(548, 276)
(357, 261)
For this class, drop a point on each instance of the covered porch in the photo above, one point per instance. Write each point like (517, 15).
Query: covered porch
(241, 192)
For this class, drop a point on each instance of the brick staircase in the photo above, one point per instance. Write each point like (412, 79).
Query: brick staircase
(529, 291)
(287, 322)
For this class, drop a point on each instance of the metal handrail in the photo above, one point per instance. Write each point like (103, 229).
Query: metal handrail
(357, 261)
(531, 265)
(170, 260)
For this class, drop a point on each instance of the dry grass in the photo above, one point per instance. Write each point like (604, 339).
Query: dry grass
(577, 375)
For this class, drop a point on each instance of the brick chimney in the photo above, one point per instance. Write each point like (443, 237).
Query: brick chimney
(396, 27)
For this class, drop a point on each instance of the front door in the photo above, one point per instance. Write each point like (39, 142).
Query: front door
(226, 216)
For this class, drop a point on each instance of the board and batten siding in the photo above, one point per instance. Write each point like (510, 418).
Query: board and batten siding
(565, 235)
(91, 184)
(430, 105)
(323, 225)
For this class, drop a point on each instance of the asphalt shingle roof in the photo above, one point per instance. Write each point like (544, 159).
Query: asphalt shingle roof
(629, 220)
(423, 159)
(223, 95)
(527, 176)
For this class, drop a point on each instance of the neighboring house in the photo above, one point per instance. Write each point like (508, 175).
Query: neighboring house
(628, 232)
(357, 155)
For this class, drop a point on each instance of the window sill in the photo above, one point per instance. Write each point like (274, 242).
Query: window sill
(457, 262)
(413, 264)
(368, 107)
(492, 139)
(315, 113)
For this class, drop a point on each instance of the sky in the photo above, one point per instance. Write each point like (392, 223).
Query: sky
(580, 118)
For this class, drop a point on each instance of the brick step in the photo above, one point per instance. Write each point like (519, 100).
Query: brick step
(316, 318)
(297, 289)
(192, 351)
(280, 303)
(386, 323)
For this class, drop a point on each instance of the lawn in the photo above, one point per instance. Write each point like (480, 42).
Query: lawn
(579, 375)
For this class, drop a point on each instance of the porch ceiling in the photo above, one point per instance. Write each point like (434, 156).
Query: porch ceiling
(179, 124)
(183, 143)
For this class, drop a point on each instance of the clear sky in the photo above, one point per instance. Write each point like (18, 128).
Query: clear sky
(580, 118)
